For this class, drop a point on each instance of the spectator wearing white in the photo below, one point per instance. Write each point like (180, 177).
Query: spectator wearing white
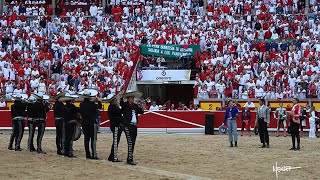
(259, 92)
(18, 90)
(35, 72)
(34, 83)
(160, 60)
(203, 92)
(249, 104)
(42, 87)
(93, 10)
(6, 71)
(2, 102)
(154, 106)
(220, 86)
(27, 72)
(244, 94)
(9, 87)
(251, 84)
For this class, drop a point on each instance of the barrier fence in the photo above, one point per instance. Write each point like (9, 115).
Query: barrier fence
(159, 120)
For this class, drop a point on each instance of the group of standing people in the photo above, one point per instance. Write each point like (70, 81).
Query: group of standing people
(33, 109)
(123, 114)
(262, 122)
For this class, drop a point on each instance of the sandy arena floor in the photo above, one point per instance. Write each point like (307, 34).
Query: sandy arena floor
(165, 156)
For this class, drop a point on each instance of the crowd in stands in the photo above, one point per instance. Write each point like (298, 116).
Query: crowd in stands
(268, 49)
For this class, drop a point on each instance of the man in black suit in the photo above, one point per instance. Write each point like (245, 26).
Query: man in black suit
(116, 125)
(18, 112)
(88, 110)
(130, 112)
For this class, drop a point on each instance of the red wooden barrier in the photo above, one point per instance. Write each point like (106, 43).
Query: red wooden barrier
(158, 119)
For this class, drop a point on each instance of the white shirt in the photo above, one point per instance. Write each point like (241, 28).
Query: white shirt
(3, 104)
(249, 105)
(154, 108)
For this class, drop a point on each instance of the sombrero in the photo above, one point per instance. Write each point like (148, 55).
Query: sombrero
(68, 97)
(88, 93)
(58, 96)
(19, 97)
(31, 100)
(135, 94)
(40, 96)
(109, 98)
(223, 129)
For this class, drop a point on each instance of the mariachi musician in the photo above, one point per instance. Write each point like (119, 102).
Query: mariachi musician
(18, 113)
(116, 124)
(70, 120)
(37, 115)
(59, 109)
(130, 112)
(88, 110)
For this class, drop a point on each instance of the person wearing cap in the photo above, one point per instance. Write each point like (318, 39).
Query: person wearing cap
(294, 126)
(58, 110)
(130, 112)
(37, 115)
(263, 121)
(116, 125)
(231, 115)
(88, 110)
(70, 116)
(18, 113)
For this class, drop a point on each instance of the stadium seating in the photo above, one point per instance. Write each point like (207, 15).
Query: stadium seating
(248, 50)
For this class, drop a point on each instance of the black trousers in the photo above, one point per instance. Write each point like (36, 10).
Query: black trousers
(32, 128)
(69, 132)
(116, 131)
(90, 137)
(17, 133)
(295, 134)
(131, 135)
(60, 135)
(263, 131)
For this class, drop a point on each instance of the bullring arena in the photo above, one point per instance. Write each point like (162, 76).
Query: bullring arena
(166, 153)
(166, 156)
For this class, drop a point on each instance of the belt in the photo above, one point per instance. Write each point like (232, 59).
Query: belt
(134, 124)
(58, 118)
(19, 118)
(36, 119)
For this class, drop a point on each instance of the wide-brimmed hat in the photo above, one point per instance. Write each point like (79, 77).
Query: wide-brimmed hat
(109, 98)
(19, 97)
(68, 97)
(31, 99)
(58, 96)
(223, 129)
(88, 93)
(40, 96)
(135, 94)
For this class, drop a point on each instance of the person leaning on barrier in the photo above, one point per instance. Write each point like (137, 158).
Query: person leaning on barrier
(18, 113)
